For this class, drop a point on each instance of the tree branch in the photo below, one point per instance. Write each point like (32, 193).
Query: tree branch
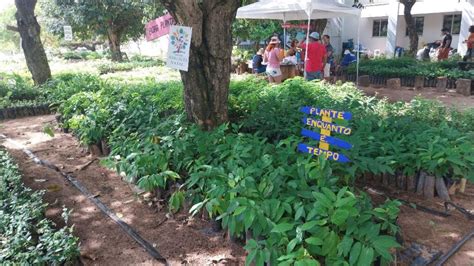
(12, 28)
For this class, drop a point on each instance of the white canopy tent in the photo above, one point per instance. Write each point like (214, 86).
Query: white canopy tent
(290, 10)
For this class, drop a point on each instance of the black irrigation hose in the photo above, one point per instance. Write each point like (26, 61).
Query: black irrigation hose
(455, 248)
(418, 207)
(469, 215)
(127, 228)
(422, 208)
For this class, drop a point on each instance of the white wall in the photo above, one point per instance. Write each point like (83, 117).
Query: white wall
(431, 31)
(366, 39)
(432, 10)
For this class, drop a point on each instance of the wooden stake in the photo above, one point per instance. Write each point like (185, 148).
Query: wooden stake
(463, 185)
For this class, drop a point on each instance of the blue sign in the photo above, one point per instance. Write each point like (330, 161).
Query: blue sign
(331, 140)
(324, 112)
(326, 126)
(329, 155)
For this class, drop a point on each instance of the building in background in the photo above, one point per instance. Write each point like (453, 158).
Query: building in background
(383, 27)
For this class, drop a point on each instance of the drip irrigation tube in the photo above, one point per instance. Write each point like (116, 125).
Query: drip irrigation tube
(413, 205)
(454, 249)
(125, 227)
(469, 215)
(422, 208)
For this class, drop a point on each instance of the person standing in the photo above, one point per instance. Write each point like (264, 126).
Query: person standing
(443, 51)
(273, 56)
(315, 58)
(470, 44)
(330, 57)
(257, 61)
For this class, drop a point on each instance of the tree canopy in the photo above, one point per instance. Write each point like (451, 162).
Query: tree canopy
(118, 21)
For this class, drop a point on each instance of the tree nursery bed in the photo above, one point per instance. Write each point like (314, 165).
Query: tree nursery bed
(178, 238)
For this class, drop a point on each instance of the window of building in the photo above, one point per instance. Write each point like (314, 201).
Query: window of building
(379, 28)
(453, 23)
(419, 24)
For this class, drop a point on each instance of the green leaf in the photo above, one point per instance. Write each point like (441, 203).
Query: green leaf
(339, 217)
(282, 227)
(250, 257)
(329, 194)
(292, 245)
(248, 219)
(299, 213)
(48, 130)
(366, 256)
(239, 210)
(330, 244)
(322, 199)
(345, 246)
(314, 241)
(355, 252)
(309, 225)
(382, 244)
(307, 262)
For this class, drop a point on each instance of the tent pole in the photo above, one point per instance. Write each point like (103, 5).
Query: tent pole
(307, 38)
(284, 33)
(358, 51)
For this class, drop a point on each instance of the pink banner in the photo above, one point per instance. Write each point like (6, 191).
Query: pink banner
(294, 26)
(158, 27)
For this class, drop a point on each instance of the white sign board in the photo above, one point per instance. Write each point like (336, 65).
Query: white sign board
(178, 47)
(67, 33)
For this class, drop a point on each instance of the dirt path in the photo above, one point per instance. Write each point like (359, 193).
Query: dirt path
(450, 98)
(179, 239)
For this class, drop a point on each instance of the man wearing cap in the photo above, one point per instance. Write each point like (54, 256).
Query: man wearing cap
(443, 51)
(315, 58)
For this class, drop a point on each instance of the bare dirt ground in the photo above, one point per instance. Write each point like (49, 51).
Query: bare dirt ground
(179, 239)
(435, 232)
(450, 98)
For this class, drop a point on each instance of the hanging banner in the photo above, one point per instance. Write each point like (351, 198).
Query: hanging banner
(67, 33)
(158, 27)
(178, 47)
(294, 26)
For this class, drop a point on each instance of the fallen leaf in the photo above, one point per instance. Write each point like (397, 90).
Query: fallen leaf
(53, 188)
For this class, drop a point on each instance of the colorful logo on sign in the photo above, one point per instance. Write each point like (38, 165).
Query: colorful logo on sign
(179, 38)
(326, 126)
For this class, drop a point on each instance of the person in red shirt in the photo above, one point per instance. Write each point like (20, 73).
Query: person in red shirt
(316, 58)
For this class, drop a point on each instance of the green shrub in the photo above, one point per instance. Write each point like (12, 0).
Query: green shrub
(27, 237)
(409, 67)
(17, 88)
(83, 55)
(127, 66)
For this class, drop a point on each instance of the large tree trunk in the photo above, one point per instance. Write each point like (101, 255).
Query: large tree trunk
(114, 44)
(410, 21)
(206, 83)
(29, 30)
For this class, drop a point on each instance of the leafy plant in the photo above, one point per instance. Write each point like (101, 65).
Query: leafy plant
(27, 236)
